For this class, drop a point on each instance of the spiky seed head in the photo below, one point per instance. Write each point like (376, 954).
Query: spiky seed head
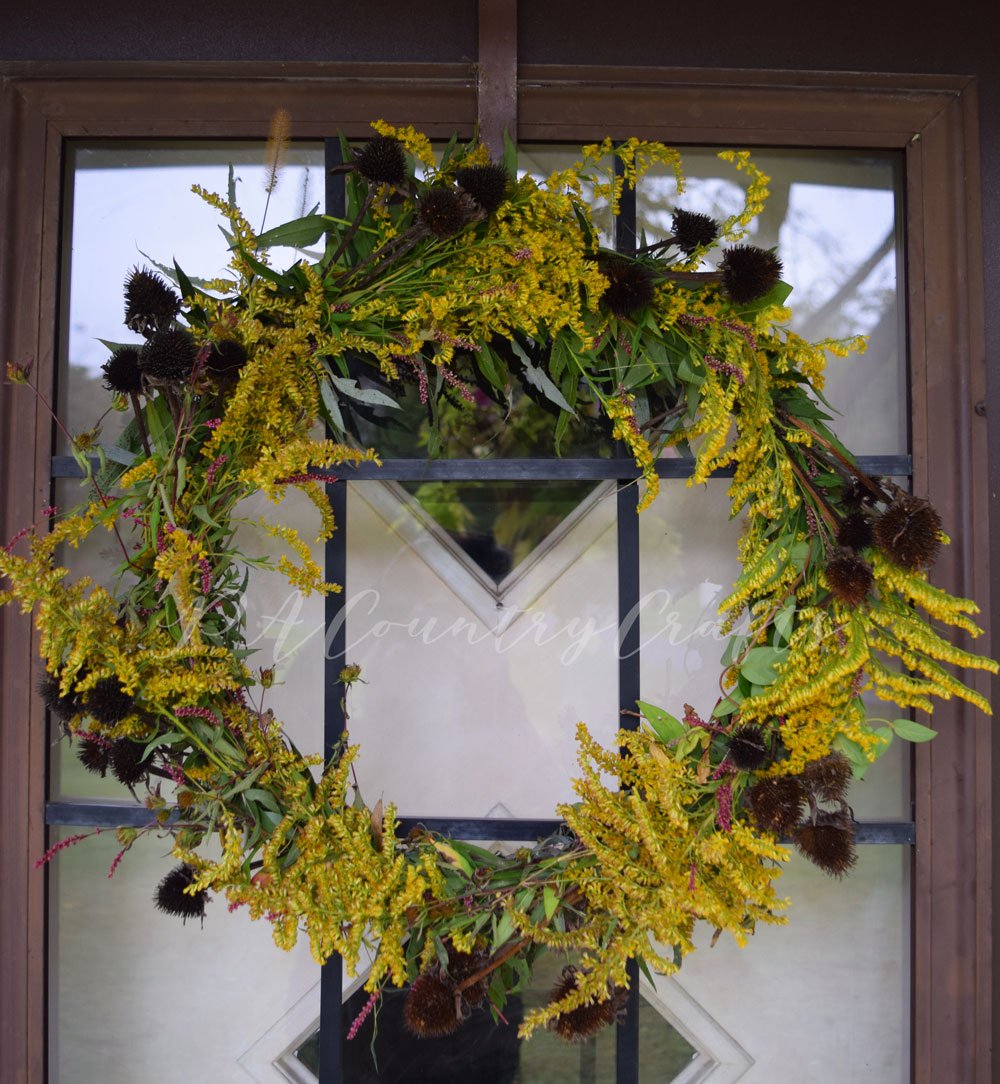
(856, 532)
(692, 231)
(429, 1010)
(108, 702)
(487, 185)
(462, 966)
(829, 843)
(121, 371)
(169, 355)
(584, 1022)
(382, 160)
(94, 755)
(630, 285)
(172, 899)
(776, 803)
(443, 211)
(749, 272)
(749, 748)
(226, 357)
(909, 533)
(150, 304)
(62, 707)
(828, 777)
(128, 763)
(850, 578)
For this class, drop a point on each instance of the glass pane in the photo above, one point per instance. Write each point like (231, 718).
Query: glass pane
(688, 561)
(175, 1002)
(833, 216)
(130, 204)
(474, 691)
(824, 998)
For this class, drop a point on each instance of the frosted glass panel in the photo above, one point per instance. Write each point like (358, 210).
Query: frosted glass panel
(688, 562)
(137, 995)
(473, 698)
(824, 999)
(833, 217)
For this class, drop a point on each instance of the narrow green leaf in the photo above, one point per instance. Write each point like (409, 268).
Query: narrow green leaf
(550, 900)
(298, 233)
(370, 396)
(759, 665)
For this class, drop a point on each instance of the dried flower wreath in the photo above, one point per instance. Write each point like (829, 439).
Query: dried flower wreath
(471, 277)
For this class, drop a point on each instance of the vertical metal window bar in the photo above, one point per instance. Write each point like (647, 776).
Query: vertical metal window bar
(627, 1036)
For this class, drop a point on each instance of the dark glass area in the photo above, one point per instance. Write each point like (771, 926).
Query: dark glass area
(470, 423)
(490, 1053)
(499, 525)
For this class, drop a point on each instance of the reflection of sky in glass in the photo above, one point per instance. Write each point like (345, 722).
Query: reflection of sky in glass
(832, 217)
(131, 205)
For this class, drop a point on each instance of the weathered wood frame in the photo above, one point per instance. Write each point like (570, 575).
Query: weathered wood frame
(931, 120)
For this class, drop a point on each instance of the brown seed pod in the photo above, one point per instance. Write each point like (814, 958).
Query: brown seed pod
(909, 533)
(776, 803)
(829, 843)
(430, 1010)
(850, 578)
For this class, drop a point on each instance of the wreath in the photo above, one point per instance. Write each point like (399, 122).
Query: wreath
(465, 283)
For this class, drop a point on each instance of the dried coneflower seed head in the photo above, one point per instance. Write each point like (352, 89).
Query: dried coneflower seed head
(226, 357)
(584, 1022)
(909, 533)
(127, 761)
(443, 211)
(748, 748)
(749, 272)
(828, 777)
(382, 160)
(776, 803)
(829, 843)
(692, 230)
(121, 371)
(169, 355)
(856, 532)
(150, 304)
(850, 578)
(94, 755)
(172, 899)
(630, 285)
(429, 1010)
(62, 707)
(464, 965)
(487, 185)
(108, 702)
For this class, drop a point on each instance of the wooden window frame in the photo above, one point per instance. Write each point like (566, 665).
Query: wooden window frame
(932, 120)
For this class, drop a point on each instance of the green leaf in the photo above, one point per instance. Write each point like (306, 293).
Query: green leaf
(550, 900)
(728, 705)
(503, 929)
(298, 233)
(854, 753)
(784, 619)
(777, 295)
(331, 408)
(910, 730)
(667, 727)
(509, 160)
(539, 379)
(759, 665)
(370, 396)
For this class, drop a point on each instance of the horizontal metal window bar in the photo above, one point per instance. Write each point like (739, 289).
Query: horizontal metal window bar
(518, 470)
(127, 815)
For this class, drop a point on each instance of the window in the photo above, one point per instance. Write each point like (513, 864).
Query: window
(930, 344)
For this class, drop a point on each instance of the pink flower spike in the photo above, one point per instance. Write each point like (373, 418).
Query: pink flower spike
(62, 845)
(724, 801)
(214, 423)
(116, 862)
(49, 510)
(363, 1015)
